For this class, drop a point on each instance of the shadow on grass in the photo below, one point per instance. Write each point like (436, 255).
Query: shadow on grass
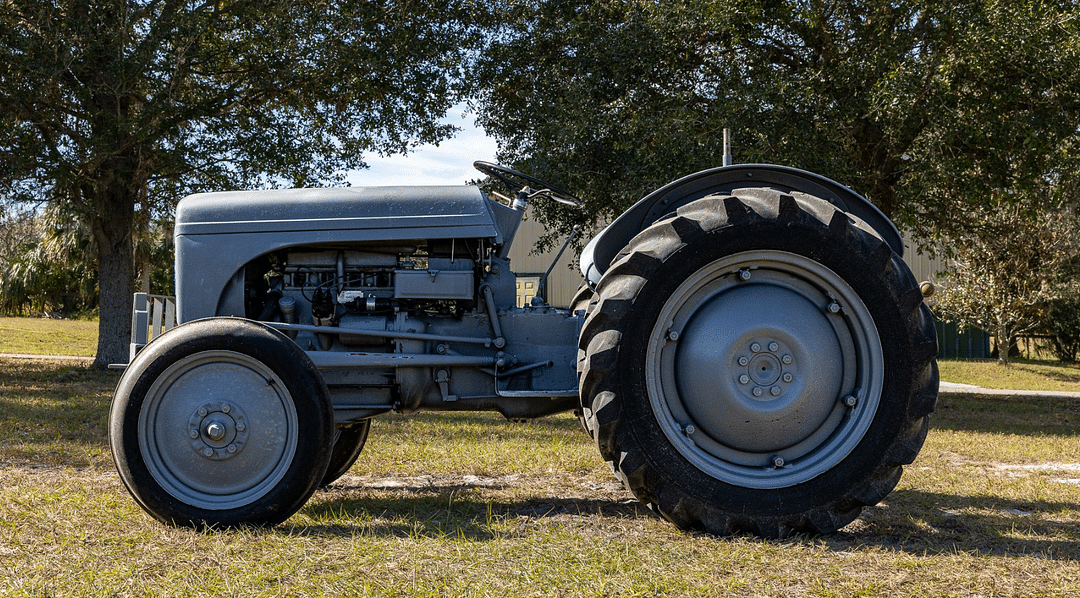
(1053, 370)
(52, 409)
(927, 523)
(455, 511)
(1027, 416)
(909, 521)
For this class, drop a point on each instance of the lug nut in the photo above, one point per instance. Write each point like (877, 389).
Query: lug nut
(788, 377)
(673, 335)
(225, 407)
(231, 448)
(241, 426)
(743, 360)
(193, 433)
(777, 461)
(851, 400)
(756, 348)
(833, 307)
(202, 411)
(786, 359)
(689, 429)
(208, 452)
(744, 379)
(744, 274)
(757, 391)
(775, 391)
(774, 347)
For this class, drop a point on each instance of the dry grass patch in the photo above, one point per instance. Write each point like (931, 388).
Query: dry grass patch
(53, 414)
(471, 505)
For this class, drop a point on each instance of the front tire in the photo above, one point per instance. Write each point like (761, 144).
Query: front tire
(759, 363)
(348, 444)
(221, 422)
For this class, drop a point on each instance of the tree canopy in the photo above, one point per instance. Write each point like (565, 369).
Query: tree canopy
(114, 109)
(924, 107)
(117, 106)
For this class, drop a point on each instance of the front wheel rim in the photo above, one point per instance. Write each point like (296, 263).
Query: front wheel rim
(764, 369)
(218, 430)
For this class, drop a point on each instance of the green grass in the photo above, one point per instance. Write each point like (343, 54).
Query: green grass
(472, 505)
(1018, 375)
(43, 336)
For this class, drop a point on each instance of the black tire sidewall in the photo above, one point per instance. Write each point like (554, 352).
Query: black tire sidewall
(310, 399)
(347, 448)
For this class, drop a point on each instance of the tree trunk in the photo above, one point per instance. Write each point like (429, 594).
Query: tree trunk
(1004, 343)
(116, 291)
(111, 224)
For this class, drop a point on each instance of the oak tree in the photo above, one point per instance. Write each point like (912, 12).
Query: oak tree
(113, 107)
(925, 107)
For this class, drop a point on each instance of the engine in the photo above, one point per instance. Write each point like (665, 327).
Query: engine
(440, 313)
(341, 287)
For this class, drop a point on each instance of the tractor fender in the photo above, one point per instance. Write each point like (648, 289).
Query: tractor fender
(601, 251)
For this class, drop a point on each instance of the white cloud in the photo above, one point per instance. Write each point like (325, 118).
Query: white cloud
(449, 163)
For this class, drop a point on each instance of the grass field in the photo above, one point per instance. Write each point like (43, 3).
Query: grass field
(471, 505)
(43, 336)
(1019, 374)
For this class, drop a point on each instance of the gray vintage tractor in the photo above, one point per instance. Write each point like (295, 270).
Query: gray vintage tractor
(749, 353)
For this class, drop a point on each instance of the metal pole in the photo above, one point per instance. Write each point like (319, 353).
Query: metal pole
(727, 147)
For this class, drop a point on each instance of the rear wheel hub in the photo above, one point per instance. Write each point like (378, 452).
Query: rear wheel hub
(750, 386)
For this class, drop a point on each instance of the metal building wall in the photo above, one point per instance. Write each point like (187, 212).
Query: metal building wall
(922, 265)
(565, 278)
(953, 342)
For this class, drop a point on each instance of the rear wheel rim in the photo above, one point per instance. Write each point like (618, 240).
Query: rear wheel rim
(218, 430)
(764, 369)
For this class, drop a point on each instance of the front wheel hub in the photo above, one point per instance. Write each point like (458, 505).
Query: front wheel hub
(218, 430)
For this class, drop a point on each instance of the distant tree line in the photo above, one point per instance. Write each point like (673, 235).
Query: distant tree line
(48, 262)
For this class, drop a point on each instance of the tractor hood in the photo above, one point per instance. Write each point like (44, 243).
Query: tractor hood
(351, 212)
(217, 234)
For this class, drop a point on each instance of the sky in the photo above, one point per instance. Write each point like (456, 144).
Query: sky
(449, 163)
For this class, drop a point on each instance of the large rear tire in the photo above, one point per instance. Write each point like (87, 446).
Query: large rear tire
(221, 422)
(758, 363)
(581, 303)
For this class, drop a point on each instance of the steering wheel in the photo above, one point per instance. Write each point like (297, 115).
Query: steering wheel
(516, 182)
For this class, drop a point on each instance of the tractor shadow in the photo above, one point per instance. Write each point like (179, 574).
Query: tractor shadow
(910, 521)
(928, 523)
(458, 509)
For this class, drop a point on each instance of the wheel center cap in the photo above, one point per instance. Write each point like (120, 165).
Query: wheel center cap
(764, 369)
(215, 431)
(755, 369)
